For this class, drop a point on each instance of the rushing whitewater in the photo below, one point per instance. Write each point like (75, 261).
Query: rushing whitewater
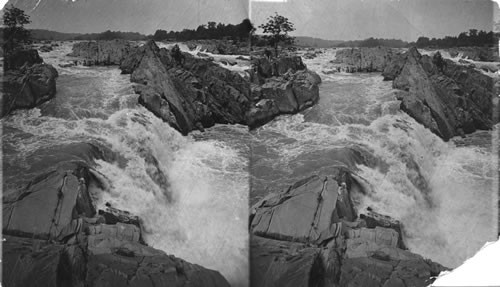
(442, 192)
(191, 194)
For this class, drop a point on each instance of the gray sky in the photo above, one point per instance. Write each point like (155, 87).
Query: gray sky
(360, 19)
(327, 19)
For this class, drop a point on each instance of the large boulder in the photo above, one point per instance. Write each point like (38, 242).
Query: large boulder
(447, 98)
(365, 59)
(309, 234)
(105, 53)
(274, 67)
(28, 87)
(288, 94)
(18, 58)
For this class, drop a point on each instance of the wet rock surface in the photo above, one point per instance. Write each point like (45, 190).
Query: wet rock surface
(448, 98)
(193, 93)
(56, 236)
(27, 82)
(309, 234)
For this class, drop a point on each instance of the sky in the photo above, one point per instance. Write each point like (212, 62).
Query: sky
(327, 19)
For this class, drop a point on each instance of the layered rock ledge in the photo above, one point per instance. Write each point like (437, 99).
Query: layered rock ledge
(448, 98)
(55, 235)
(309, 234)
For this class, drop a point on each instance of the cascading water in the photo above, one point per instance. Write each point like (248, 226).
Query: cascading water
(442, 193)
(192, 192)
(192, 195)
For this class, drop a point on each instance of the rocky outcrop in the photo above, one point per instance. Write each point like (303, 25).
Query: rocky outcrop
(364, 59)
(20, 58)
(28, 87)
(197, 93)
(310, 235)
(280, 86)
(55, 236)
(104, 53)
(448, 98)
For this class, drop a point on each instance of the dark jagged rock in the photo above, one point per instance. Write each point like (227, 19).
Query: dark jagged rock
(101, 52)
(198, 93)
(284, 263)
(310, 235)
(79, 246)
(291, 93)
(28, 87)
(275, 67)
(365, 59)
(20, 58)
(447, 98)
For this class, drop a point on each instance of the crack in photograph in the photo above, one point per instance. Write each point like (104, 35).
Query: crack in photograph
(248, 143)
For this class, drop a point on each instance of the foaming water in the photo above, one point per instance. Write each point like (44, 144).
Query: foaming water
(191, 192)
(441, 192)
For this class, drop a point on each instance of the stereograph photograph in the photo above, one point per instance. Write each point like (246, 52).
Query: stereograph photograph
(249, 143)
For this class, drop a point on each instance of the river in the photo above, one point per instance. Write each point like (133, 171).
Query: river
(442, 192)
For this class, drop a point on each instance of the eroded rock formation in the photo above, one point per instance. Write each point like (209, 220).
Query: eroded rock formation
(448, 98)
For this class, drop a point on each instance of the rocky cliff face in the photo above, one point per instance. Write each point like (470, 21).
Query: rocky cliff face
(448, 98)
(101, 52)
(198, 93)
(54, 236)
(310, 235)
(364, 59)
(27, 83)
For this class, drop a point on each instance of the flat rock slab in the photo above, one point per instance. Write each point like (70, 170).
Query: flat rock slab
(306, 212)
(47, 206)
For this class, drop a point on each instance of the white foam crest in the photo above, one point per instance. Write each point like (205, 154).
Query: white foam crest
(455, 218)
(205, 223)
(200, 215)
(438, 191)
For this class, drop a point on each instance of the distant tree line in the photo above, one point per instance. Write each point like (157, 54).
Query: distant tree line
(375, 42)
(464, 39)
(111, 35)
(211, 30)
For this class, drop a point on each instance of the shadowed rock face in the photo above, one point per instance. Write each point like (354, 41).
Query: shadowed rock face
(197, 93)
(448, 98)
(20, 58)
(310, 235)
(56, 237)
(27, 82)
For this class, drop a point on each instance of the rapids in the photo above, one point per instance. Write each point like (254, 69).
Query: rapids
(193, 193)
